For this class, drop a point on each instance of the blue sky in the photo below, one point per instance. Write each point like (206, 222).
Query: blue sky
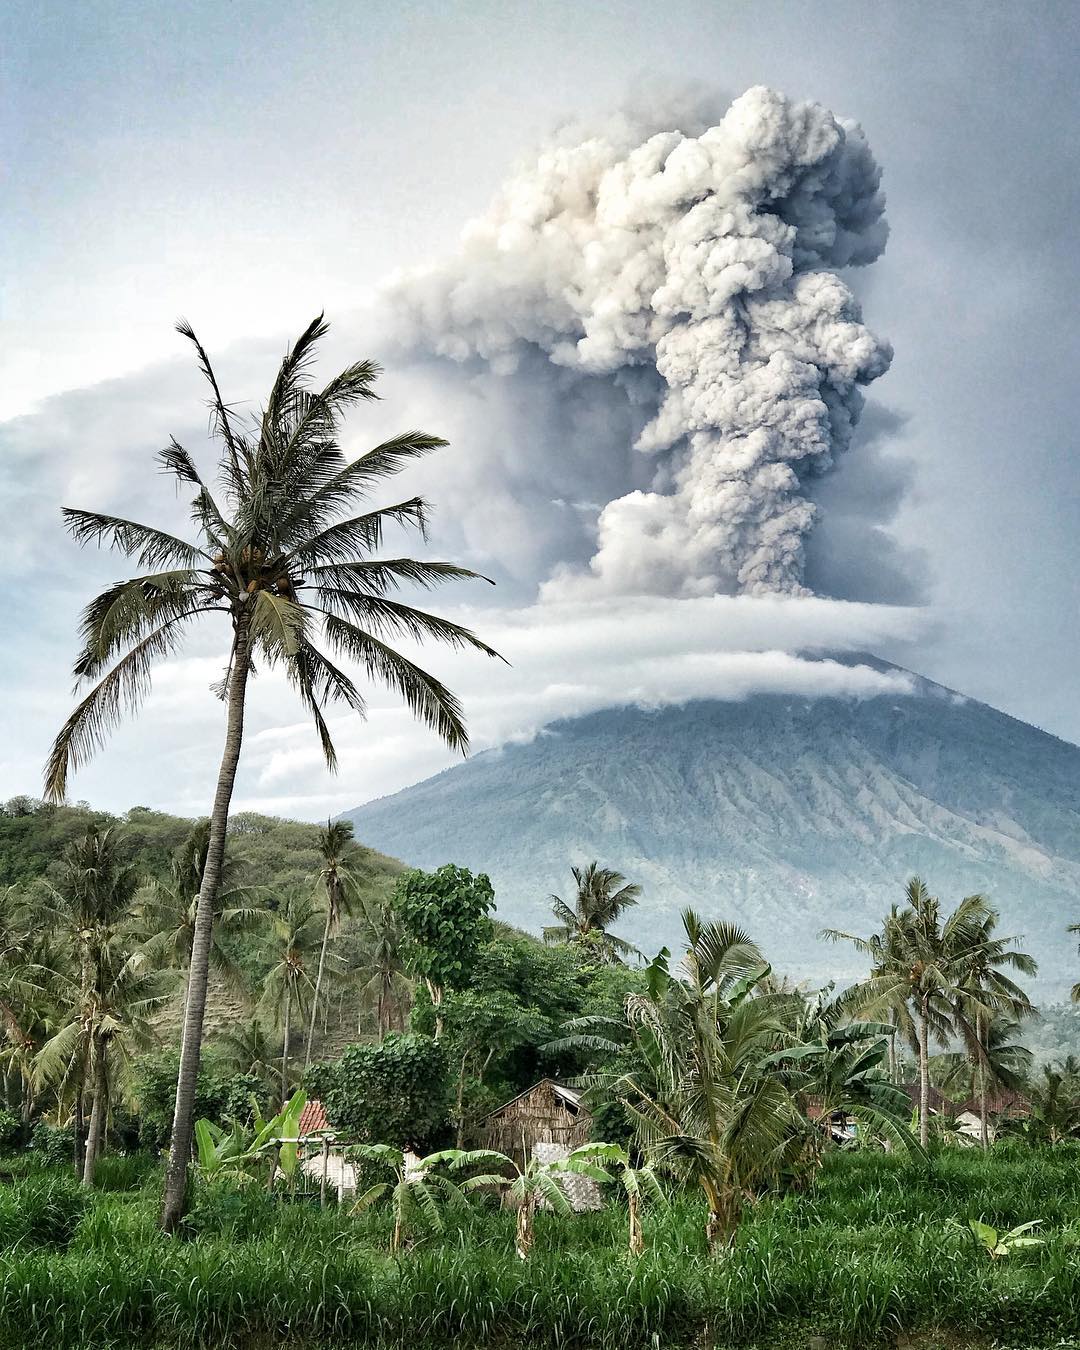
(247, 164)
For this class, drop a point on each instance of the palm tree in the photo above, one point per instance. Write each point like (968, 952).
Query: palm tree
(17, 984)
(1075, 991)
(338, 877)
(602, 896)
(168, 911)
(837, 1065)
(987, 993)
(702, 1103)
(887, 953)
(1055, 1102)
(382, 972)
(31, 995)
(1007, 1063)
(250, 1051)
(930, 962)
(282, 560)
(105, 1031)
(111, 994)
(295, 929)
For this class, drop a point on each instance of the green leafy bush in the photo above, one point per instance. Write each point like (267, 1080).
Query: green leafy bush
(12, 1131)
(396, 1091)
(228, 1208)
(54, 1144)
(218, 1096)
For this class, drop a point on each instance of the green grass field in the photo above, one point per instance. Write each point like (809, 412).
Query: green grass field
(875, 1253)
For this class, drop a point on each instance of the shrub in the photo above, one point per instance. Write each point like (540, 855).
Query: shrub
(54, 1144)
(240, 1212)
(394, 1092)
(42, 1211)
(12, 1131)
(218, 1096)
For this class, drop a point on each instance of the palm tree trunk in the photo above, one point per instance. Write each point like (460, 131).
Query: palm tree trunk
(96, 1132)
(460, 1132)
(80, 1130)
(984, 1124)
(285, 1046)
(199, 968)
(924, 1073)
(894, 1023)
(318, 987)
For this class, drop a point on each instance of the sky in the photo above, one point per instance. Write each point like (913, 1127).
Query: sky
(248, 164)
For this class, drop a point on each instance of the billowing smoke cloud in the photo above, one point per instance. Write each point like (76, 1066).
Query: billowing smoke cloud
(695, 272)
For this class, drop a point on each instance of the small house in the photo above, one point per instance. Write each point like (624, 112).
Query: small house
(937, 1102)
(322, 1159)
(547, 1113)
(1001, 1105)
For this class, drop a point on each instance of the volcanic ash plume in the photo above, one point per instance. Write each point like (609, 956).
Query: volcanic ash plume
(695, 271)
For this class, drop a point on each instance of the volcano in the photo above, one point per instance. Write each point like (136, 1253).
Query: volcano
(787, 814)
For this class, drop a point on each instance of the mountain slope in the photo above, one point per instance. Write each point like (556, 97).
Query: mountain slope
(788, 814)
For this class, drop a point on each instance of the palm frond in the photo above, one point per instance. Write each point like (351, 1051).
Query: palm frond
(389, 618)
(123, 687)
(341, 541)
(378, 576)
(424, 695)
(151, 547)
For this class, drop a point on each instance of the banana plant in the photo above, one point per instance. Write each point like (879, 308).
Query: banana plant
(526, 1187)
(638, 1183)
(417, 1189)
(232, 1152)
(997, 1245)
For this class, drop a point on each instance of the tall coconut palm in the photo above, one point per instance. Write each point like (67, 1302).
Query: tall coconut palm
(295, 930)
(602, 895)
(110, 994)
(382, 975)
(277, 559)
(16, 977)
(1075, 992)
(1054, 1099)
(930, 963)
(106, 1028)
(985, 994)
(249, 1050)
(1007, 1064)
(338, 878)
(887, 953)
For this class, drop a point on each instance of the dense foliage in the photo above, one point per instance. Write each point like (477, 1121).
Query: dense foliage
(395, 1091)
(444, 917)
(220, 1095)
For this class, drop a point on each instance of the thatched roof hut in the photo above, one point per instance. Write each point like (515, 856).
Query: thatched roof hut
(547, 1113)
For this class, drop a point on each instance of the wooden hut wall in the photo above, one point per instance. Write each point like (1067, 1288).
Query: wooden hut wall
(539, 1116)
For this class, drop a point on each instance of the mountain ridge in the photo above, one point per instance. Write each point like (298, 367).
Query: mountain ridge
(786, 812)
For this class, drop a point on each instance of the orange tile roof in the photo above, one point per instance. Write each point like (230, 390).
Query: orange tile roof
(313, 1118)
